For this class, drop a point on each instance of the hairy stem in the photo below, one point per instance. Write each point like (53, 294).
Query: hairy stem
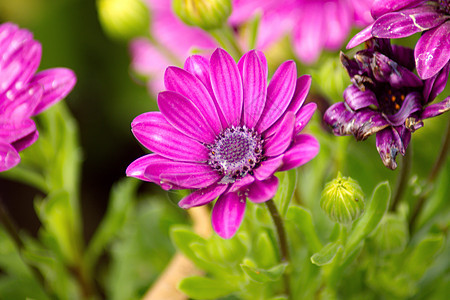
(282, 240)
(438, 164)
(402, 179)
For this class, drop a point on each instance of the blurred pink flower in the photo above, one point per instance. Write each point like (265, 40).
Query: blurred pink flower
(23, 92)
(313, 25)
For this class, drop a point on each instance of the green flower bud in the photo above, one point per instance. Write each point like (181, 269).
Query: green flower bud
(123, 19)
(206, 14)
(342, 200)
(391, 235)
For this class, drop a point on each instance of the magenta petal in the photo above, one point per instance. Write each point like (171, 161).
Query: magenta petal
(227, 86)
(303, 116)
(389, 144)
(432, 51)
(381, 7)
(407, 22)
(23, 104)
(186, 84)
(357, 99)
(280, 141)
(304, 148)
(9, 157)
(182, 174)
(156, 134)
(436, 109)
(262, 191)
(434, 85)
(26, 141)
(254, 82)
(411, 104)
(57, 84)
(338, 23)
(202, 196)
(11, 132)
(279, 94)
(182, 114)
(241, 184)
(360, 37)
(199, 67)
(137, 168)
(268, 167)
(227, 214)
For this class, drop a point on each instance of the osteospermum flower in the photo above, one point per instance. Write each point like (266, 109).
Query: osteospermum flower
(223, 131)
(398, 19)
(386, 98)
(23, 92)
(313, 25)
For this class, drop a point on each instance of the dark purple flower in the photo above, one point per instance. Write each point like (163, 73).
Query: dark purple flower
(23, 92)
(386, 98)
(223, 131)
(402, 18)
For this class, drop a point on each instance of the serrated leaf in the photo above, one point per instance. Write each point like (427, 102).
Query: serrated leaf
(205, 288)
(286, 188)
(327, 254)
(303, 220)
(263, 275)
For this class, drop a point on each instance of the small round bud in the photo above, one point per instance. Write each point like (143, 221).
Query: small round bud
(342, 200)
(206, 14)
(391, 235)
(124, 19)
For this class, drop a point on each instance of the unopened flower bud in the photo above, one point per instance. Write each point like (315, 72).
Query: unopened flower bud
(206, 14)
(342, 200)
(123, 19)
(391, 235)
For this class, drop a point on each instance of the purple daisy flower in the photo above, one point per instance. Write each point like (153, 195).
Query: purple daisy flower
(398, 19)
(23, 92)
(386, 98)
(223, 131)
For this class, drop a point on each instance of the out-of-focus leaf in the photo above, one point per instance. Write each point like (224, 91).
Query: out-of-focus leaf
(327, 254)
(264, 252)
(205, 288)
(423, 254)
(264, 275)
(303, 220)
(371, 218)
(286, 188)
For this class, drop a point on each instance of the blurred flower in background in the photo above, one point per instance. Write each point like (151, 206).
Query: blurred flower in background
(386, 98)
(224, 131)
(23, 92)
(313, 25)
(398, 19)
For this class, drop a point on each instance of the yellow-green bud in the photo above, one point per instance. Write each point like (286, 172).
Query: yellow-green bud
(342, 200)
(124, 19)
(206, 14)
(391, 235)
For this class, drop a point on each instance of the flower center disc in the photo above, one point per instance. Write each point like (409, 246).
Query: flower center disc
(236, 152)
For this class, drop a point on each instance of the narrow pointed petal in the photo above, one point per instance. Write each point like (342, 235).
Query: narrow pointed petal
(254, 82)
(357, 99)
(262, 59)
(137, 168)
(242, 184)
(182, 114)
(186, 84)
(381, 7)
(23, 104)
(9, 157)
(262, 191)
(280, 141)
(268, 167)
(338, 23)
(279, 94)
(156, 134)
(11, 132)
(57, 84)
(227, 86)
(389, 144)
(203, 196)
(404, 56)
(360, 37)
(303, 116)
(434, 85)
(436, 109)
(227, 214)
(407, 22)
(432, 51)
(411, 104)
(304, 148)
(25, 141)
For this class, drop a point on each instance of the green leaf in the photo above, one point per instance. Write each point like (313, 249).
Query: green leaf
(263, 275)
(286, 188)
(327, 254)
(183, 238)
(423, 255)
(371, 218)
(205, 288)
(264, 252)
(303, 220)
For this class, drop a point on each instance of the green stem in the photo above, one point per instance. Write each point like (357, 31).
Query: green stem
(402, 178)
(282, 240)
(439, 163)
(225, 37)
(11, 230)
